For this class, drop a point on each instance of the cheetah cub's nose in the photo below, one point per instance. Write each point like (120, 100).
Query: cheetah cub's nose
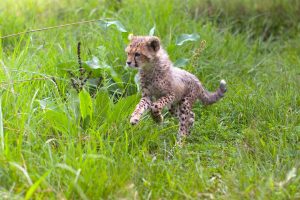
(128, 63)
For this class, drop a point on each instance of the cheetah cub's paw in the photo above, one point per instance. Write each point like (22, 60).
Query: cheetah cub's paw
(158, 118)
(156, 114)
(134, 120)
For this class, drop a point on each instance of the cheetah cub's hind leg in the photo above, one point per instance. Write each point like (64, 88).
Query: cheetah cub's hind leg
(174, 110)
(186, 116)
(191, 120)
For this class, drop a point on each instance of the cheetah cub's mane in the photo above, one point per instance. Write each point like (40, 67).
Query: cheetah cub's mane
(163, 85)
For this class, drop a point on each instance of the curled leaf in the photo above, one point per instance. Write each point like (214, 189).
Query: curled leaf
(181, 62)
(94, 63)
(117, 24)
(151, 32)
(85, 104)
(186, 37)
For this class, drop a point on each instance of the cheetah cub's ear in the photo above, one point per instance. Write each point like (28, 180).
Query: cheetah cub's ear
(154, 44)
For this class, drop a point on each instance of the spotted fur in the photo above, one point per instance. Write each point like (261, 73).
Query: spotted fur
(164, 85)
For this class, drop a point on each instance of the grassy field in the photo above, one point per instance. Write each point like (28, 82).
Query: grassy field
(58, 144)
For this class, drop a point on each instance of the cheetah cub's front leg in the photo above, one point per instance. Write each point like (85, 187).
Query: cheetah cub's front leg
(140, 108)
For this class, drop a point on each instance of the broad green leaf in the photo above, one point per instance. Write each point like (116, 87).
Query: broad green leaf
(151, 32)
(47, 104)
(116, 77)
(123, 108)
(186, 37)
(181, 62)
(85, 104)
(119, 26)
(102, 104)
(59, 120)
(102, 66)
(94, 82)
(74, 106)
(33, 188)
(94, 63)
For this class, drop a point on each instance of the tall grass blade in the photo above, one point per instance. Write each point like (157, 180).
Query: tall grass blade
(24, 171)
(35, 186)
(1, 127)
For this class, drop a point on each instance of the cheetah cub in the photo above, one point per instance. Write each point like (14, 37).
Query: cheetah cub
(162, 84)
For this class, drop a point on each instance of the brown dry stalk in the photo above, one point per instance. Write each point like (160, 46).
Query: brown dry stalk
(198, 53)
(22, 81)
(50, 27)
(78, 82)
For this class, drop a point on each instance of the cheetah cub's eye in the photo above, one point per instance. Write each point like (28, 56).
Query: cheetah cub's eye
(137, 54)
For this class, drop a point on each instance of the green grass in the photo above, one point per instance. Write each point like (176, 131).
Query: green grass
(247, 146)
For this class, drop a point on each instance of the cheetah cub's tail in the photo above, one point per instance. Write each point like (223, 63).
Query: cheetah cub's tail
(208, 98)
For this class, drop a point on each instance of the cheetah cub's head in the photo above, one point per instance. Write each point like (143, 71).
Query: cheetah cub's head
(141, 50)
